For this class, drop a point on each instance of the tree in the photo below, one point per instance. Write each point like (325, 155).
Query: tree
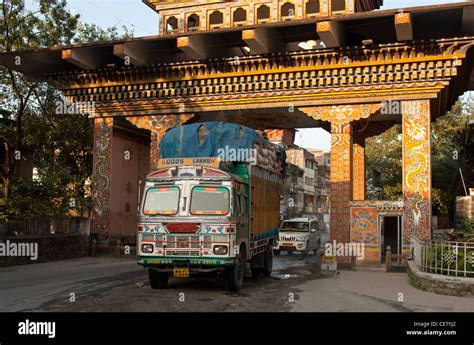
(21, 29)
(92, 33)
(383, 153)
(62, 143)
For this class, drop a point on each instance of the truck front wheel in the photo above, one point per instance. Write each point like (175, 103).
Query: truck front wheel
(234, 276)
(158, 280)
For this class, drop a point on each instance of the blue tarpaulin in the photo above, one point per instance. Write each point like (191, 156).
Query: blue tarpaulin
(206, 139)
(185, 141)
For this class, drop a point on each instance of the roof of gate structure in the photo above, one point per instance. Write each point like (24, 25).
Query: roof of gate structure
(377, 27)
(187, 16)
(152, 75)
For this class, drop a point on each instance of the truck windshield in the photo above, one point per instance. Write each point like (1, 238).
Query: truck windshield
(295, 226)
(209, 201)
(161, 200)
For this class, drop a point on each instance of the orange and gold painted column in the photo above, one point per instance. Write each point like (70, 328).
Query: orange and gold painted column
(358, 173)
(101, 176)
(341, 183)
(154, 149)
(416, 169)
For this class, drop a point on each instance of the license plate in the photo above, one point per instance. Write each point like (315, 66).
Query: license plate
(181, 273)
(287, 245)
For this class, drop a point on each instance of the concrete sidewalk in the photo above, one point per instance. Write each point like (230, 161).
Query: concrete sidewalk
(366, 291)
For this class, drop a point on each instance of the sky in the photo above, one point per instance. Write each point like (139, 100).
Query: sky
(144, 21)
(137, 16)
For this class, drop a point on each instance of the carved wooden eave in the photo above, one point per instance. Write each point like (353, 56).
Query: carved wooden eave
(382, 27)
(435, 70)
(211, 72)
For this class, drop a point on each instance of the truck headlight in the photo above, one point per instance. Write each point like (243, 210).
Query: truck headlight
(147, 248)
(302, 238)
(220, 250)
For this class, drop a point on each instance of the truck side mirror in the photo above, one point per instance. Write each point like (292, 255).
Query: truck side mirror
(313, 230)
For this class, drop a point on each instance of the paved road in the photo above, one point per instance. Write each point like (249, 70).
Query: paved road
(104, 284)
(30, 286)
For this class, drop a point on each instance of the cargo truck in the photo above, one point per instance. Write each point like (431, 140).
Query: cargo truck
(202, 215)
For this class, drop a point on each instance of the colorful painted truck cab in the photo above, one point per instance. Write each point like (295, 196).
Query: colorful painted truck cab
(198, 218)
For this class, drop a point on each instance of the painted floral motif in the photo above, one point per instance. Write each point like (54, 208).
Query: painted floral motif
(214, 229)
(364, 225)
(101, 175)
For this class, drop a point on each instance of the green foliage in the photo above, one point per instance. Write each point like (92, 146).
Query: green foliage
(441, 200)
(384, 153)
(47, 197)
(61, 144)
(87, 33)
(393, 192)
(414, 281)
(466, 227)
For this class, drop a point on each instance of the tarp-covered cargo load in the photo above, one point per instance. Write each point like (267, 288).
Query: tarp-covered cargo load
(229, 142)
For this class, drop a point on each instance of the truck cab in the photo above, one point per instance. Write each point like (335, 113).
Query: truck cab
(299, 234)
(195, 218)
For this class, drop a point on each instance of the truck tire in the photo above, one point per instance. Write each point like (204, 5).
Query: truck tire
(267, 270)
(158, 280)
(267, 260)
(234, 276)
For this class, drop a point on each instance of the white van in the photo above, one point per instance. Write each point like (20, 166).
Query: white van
(298, 234)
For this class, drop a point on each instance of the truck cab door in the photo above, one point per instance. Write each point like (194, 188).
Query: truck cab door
(242, 214)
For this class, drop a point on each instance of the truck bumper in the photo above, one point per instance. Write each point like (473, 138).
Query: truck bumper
(195, 265)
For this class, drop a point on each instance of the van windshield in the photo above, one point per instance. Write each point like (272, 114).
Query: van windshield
(161, 200)
(295, 226)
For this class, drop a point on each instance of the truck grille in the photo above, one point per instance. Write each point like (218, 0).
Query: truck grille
(209, 239)
(184, 245)
(182, 242)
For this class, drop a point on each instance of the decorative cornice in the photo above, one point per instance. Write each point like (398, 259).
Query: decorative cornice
(339, 114)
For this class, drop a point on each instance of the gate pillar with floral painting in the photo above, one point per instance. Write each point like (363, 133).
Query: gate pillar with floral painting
(101, 176)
